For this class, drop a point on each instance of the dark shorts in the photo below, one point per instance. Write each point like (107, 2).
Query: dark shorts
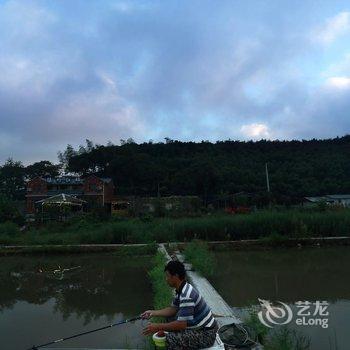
(191, 339)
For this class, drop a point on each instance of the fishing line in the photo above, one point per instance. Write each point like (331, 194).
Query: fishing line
(36, 347)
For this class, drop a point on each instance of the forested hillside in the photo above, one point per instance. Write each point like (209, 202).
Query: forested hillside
(296, 168)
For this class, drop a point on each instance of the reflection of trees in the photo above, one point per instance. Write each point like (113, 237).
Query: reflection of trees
(104, 285)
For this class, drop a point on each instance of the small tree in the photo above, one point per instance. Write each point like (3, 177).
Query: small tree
(12, 179)
(43, 168)
(9, 212)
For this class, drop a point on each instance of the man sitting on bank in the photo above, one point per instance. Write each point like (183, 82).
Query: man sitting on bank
(194, 326)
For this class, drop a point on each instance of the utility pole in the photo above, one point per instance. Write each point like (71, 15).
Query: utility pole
(267, 178)
(103, 193)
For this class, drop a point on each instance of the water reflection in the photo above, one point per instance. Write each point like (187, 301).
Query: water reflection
(291, 275)
(90, 290)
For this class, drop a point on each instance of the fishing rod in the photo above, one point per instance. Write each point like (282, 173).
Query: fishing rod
(36, 347)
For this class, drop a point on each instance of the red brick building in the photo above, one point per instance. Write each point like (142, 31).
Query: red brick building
(96, 191)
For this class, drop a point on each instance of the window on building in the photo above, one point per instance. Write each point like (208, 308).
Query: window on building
(94, 188)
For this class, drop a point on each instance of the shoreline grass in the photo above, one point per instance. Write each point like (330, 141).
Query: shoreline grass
(279, 338)
(162, 294)
(129, 250)
(260, 225)
(161, 291)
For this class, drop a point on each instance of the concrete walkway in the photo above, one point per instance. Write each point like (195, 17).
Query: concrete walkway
(222, 311)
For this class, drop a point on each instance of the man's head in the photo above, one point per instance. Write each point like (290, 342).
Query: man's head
(175, 273)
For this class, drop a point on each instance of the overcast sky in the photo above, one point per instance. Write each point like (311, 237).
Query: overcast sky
(188, 70)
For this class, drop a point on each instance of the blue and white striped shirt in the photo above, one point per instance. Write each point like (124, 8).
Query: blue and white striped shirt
(192, 308)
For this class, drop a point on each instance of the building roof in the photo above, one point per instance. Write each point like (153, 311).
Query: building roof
(105, 179)
(338, 196)
(316, 199)
(62, 199)
(74, 192)
(69, 180)
(64, 180)
(328, 197)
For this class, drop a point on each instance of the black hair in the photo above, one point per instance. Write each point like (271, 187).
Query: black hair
(175, 267)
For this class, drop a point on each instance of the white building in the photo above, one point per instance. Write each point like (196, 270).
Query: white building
(340, 199)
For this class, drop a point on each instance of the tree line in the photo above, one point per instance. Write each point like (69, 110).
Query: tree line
(296, 168)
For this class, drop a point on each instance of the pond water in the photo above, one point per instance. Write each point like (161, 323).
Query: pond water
(39, 304)
(292, 275)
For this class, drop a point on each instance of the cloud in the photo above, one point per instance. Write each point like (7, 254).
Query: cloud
(333, 28)
(7, 140)
(187, 70)
(100, 115)
(255, 131)
(339, 82)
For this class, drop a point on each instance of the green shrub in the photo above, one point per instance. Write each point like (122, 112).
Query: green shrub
(9, 211)
(287, 339)
(281, 338)
(273, 225)
(252, 320)
(198, 254)
(9, 228)
(274, 239)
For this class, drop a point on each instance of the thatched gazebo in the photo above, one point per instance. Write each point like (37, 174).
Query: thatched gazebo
(61, 204)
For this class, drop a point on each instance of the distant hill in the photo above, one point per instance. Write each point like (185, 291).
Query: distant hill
(296, 168)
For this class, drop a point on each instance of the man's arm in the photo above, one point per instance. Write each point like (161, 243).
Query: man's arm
(170, 326)
(185, 313)
(167, 312)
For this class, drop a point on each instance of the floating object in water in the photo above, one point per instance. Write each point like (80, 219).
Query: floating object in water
(63, 271)
(60, 270)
